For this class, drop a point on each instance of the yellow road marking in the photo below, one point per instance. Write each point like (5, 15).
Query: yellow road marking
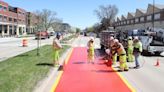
(69, 54)
(57, 81)
(60, 73)
(125, 81)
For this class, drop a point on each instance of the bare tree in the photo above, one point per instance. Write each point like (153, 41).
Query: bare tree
(106, 14)
(57, 25)
(46, 18)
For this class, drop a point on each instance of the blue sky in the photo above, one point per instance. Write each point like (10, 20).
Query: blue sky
(80, 13)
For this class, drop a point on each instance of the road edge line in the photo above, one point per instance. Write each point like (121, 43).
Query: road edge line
(68, 57)
(125, 81)
(61, 72)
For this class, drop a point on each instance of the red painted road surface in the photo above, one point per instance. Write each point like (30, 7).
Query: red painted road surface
(79, 76)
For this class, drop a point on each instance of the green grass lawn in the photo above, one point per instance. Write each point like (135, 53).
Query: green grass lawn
(22, 73)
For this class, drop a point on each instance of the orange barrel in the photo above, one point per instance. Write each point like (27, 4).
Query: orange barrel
(24, 43)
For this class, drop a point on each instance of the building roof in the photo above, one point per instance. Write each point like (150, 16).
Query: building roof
(159, 6)
(3, 3)
(142, 10)
(130, 15)
(118, 19)
(123, 17)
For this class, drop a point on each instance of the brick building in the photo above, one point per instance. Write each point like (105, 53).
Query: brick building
(142, 19)
(12, 20)
(31, 21)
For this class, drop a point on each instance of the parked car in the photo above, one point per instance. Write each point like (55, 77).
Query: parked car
(51, 33)
(42, 35)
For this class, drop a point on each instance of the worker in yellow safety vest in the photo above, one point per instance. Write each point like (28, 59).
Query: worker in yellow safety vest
(122, 55)
(137, 51)
(130, 49)
(90, 51)
(113, 47)
(113, 56)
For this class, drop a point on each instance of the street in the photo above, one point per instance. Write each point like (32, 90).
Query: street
(10, 47)
(82, 46)
(148, 78)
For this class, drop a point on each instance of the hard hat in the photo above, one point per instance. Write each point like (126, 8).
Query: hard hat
(136, 38)
(91, 39)
(130, 38)
(111, 38)
(116, 41)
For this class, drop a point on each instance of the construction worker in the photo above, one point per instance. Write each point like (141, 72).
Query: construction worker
(109, 60)
(56, 49)
(114, 55)
(122, 55)
(137, 51)
(130, 49)
(90, 50)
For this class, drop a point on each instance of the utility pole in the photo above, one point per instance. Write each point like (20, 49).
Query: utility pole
(153, 13)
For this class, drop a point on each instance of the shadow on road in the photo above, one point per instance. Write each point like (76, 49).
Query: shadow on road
(79, 62)
(103, 71)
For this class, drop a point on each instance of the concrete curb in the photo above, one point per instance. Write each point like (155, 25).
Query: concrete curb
(69, 41)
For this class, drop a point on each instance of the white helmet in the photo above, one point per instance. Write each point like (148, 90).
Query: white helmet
(111, 38)
(91, 38)
(116, 41)
(130, 38)
(136, 38)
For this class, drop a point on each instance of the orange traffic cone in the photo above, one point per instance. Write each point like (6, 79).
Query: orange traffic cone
(24, 43)
(157, 63)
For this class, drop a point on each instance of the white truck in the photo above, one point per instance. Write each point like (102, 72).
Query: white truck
(104, 38)
(150, 44)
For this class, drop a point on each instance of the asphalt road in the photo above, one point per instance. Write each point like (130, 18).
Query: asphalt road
(148, 78)
(10, 47)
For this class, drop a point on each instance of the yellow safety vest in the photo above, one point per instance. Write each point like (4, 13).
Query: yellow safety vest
(121, 50)
(138, 45)
(130, 44)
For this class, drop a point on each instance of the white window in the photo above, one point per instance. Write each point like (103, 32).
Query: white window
(136, 20)
(5, 18)
(149, 17)
(10, 19)
(132, 21)
(142, 19)
(157, 16)
(128, 22)
(5, 8)
(124, 22)
(15, 20)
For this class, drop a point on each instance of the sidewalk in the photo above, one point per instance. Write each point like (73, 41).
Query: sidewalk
(10, 39)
